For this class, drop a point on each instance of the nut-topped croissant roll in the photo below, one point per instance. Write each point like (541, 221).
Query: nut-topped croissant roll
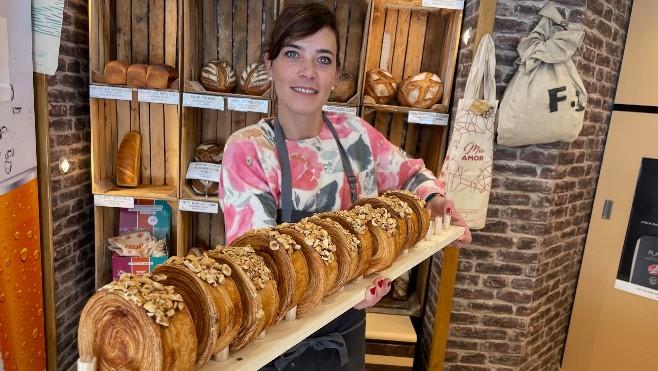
(384, 230)
(202, 283)
(357, 225)
(138, 323)
(276, 252)
(419, 208)
(316, 267)
(347, 244)
(380, 203)
(257, 286)
(406, 218)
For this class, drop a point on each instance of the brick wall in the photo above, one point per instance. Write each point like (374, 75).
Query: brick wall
(516, 282)
(73, 217)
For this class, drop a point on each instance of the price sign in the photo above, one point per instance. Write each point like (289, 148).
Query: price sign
(248, 105)
(198, 206)
(340, 109)
(114, 201)
(445, 4)
(203, 171)
(110, 92)
(203, 101)
(158, 96)
(428, 118)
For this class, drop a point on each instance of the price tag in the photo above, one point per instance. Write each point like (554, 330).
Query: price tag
(482, 108)
(203, 171)
(158, 96)
(445, 4)
(198, 206)
(428, 118)
(110, 92)
(114, 201)
(203, 101)
(248, 105)
(339, 109)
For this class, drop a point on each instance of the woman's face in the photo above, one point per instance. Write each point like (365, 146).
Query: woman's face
(304, 73)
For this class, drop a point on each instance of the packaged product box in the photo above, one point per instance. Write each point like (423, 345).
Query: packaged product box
(136, 265)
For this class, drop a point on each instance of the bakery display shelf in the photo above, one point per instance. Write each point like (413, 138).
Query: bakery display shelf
(196, 88)
(286, 334)
(368, 107)
(188, 194)
(151, 192)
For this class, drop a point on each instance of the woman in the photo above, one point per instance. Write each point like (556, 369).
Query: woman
(305, 161)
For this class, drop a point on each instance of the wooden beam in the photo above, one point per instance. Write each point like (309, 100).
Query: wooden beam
(444, 307)
(45, 216)
(486, 19)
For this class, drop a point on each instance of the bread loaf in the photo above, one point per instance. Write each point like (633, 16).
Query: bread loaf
(159, 76)
(136, 75)
(115, 72)
(128, 160)
(212, 153)
(255, 80)
(421, 91)
(380, 85)
(344, 88)
(218, 76)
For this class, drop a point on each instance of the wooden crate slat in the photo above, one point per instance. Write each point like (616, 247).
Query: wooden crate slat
(209, 49)
(397, 69)
(94, 35)
(434, 35)
(156, 31)
(417, 26)
(106, 31)
(157, 145)
(218, 232)
(140, 36)
(171, 140)
(98, 155)
(254, 44)
(376, 33)
(388, 39)
(109, 150)
(123, 27)
(111, 134)
(451, 48)
(354, 41)
(171, 26)
(342, 11)
(145, 129)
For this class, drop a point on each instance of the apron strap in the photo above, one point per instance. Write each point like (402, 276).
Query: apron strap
(284, 162)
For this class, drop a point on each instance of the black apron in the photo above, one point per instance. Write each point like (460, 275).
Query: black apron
(339, 345)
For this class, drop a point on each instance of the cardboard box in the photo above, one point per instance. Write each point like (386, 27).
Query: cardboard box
(149, 215)
(136, 265)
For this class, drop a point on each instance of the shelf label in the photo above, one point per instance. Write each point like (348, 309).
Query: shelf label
(339, 109)
(203, 171)
(248, 105)
(110, 92)
(157, 96)
(114, 201)
(428, 118)
(445, 4)
(198, 206)
(203, 101)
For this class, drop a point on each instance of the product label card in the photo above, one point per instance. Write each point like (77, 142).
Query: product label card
(203, 101)
(110, 92)
(158, 96)
(114, 201)
(446, 4)
(482, 108)
(340, 109)
(203, 171)
(248, 105)
(428, 118)
(198, 206)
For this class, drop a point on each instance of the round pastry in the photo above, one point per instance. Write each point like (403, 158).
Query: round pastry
(201, 282)
(126, 325)
(407, 221)
(383, 228)
(421, 91)
(211, 153)
(380, 85)
(255, 80)
(258, 290)
(420, 210)
(115, 72)
(218, 76)
(357, 225)
(347, 244)
(343, 89)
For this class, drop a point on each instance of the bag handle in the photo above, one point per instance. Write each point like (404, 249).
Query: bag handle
(483, 68)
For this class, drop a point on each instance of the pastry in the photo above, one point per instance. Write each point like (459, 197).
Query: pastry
(255, 80)
(384, 231)
(380, 86)
(357, 225)
(343, 89)
(420, 210)
(128, 160)
(347, 245)
(421, 91)
(407, 221)
(258, 290)
(218, 76)
(212, 153)
(115, 72)
(136, 75)
(160, 76)
(126, 325)
(201, 283)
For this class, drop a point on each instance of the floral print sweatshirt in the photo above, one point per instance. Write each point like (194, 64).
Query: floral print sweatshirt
(250, 179)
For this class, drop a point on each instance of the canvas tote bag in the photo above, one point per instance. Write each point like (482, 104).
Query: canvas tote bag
(466, 170)
(545, 100)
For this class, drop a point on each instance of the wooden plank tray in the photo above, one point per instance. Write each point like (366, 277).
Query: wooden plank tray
(286, 334)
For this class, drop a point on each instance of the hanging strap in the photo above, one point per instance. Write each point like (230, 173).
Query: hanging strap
(482, 69)
(286, 178)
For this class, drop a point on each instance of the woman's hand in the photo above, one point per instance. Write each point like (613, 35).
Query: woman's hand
(375, 292)
(438, 206)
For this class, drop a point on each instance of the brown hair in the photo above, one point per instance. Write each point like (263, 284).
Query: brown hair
(300, 20)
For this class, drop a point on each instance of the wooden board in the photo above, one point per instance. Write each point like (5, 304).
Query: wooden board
(286, 334)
